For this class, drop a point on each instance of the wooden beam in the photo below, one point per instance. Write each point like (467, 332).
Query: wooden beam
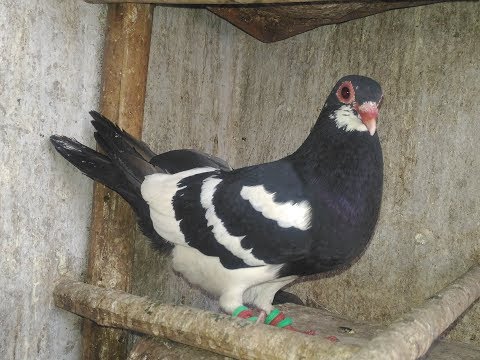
(274, 20)
(411, 336)
(407, 338)
(148, 348)
(234, 2)
(270, 23)
(110, 262)
(214, 332)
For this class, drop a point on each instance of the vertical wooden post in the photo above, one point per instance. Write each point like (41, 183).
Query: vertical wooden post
(125, 67)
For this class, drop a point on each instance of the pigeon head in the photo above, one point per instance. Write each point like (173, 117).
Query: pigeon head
(353, 104)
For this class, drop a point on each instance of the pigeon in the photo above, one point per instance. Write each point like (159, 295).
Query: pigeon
(243, 234)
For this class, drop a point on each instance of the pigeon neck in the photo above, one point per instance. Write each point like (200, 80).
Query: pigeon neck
(323, 136)
(329, 147)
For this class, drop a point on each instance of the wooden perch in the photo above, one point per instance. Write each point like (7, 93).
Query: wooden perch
(412, 335)
(232, 2)
(203, 329)
(160, 348)
(252, 2)
(407, 338)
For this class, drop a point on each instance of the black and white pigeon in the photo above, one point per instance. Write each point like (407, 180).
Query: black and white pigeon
(244, 234)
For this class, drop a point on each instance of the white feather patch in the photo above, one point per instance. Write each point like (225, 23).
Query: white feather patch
(211, 275)
(158, 191)
(231, 243)
(346, 119)
(288, 214)
(262, 295)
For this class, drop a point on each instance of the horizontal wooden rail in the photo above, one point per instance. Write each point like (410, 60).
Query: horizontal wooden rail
(161, 348)
(407, 338)
(274, 20)
(235, 2)
(412, 335)
(217, 333)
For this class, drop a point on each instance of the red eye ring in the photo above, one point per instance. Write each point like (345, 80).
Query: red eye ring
(346, 93)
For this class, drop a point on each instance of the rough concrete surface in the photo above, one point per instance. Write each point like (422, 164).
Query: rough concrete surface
(215, 88)
(50, 53)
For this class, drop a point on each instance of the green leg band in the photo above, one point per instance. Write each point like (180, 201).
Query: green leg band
(238, 310)
(273, 314)
(285, 322)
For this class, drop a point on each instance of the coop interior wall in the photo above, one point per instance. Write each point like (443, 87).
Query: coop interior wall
(50, 56)
(214, 88)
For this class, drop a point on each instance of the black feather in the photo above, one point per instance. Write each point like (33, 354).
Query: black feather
(94, 164)
(180, 160)
(102, 169)
(105, 126)
(193, 224)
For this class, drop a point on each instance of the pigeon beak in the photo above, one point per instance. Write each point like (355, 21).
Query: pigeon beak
(368, 112)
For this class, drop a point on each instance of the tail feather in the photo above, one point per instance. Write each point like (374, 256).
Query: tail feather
(133, 167)
(105, 126)
(102, 169)
(95, 165)
(116, 141)
(124, 150)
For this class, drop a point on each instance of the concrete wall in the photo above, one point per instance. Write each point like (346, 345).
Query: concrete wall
(50, 53)
(215, 88)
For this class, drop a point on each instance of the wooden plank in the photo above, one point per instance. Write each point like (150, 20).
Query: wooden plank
(214, 332)
(150, 348)
(110, 262)
(450, 350)
(407, 338)
(229, 2)
(269, 23)
(411, 336)
(274, 20)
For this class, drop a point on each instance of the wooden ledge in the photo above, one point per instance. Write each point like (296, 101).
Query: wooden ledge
(218, 333)
(233, 2)
(274, 20)
(148, 348)
(409, 337)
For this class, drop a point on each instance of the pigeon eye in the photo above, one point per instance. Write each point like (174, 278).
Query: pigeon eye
(345, 93)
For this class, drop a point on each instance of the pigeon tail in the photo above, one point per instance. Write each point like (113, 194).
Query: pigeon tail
(123, 150)
(117, 175)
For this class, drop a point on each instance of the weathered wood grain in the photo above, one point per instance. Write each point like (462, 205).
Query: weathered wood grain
(215, 332)
(150, 348)
(231, 2)
(110, 261)
(411, 336)
(274, 20)
(407, 338)
(219, 2)
(270, 23)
